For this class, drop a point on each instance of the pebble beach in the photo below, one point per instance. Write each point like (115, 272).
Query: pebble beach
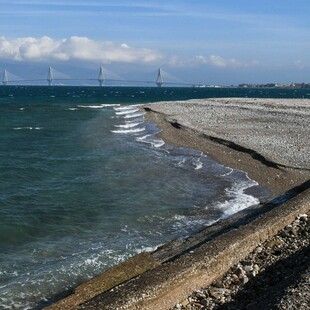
(267, 138)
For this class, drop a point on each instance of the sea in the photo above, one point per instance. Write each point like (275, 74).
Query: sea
(85, 183)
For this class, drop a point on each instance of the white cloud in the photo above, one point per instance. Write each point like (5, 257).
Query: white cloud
(299, 64)
(73, 48)
(211, 60)
(218, 61)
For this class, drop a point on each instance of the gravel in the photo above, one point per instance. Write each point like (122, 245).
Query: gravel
(278, 129)
(276, 275)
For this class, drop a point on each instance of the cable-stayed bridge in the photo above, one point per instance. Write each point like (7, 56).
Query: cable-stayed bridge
(104, 77)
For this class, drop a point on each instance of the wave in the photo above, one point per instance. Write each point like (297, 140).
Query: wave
(127, 107)
(111, 105)
(126, 112)
(134, 115)
(143, 137)
(123, 108)
(28, 128)
(126, 131)
(128, 125)
(238, 199)
(150, 139)
(198, 164)
(90, 106)
(101, 106)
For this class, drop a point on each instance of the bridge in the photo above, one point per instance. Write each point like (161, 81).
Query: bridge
(163, 78)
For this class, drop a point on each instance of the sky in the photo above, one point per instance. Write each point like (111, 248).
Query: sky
(222, 42)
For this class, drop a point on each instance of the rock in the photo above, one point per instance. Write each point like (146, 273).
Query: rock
(248, 268)
(205, 302)
(303, 217)
(240, 272)
(271, 252)
(185, 302)
(245, 280)
(272, 243)
(291, 230)
(222, 300)
(256, 268)
(235, 278)
(219, 292)
(200, 295)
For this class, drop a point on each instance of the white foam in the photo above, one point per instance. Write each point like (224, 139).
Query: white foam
(72, 109)
(101, 106)
(149, 139)
(110, 105)
(198, 164)
(123, 108)
(126, 131)
(133, 115)
(126, 112)
(90, 106)
(148, 248)
(158, 143)
(238, 199)
(128, 125)
(143, 137)
(27, 128)
(228, 173)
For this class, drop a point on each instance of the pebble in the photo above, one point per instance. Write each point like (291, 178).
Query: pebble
(224, 290)
(291, 124)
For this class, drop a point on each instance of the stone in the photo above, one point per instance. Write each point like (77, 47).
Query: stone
(205, 302)
(256, 267)
(219, 292)
(215, 293)
(245, 280)
(235, 278)
(240, 272)
(185, 302)
(272, 243)
(248, 268)
(303, 217)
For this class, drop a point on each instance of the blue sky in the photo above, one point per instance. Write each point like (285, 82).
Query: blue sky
(214, 42)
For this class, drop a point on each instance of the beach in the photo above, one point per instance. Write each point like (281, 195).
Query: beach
(268, 139)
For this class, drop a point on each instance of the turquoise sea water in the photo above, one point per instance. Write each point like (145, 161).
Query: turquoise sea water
(85, 184)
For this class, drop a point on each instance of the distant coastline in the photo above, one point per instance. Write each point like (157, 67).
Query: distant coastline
(275, 85)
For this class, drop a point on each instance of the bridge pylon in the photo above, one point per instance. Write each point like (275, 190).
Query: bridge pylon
(101, 76)
(160, 78)
(50, 76)
(5, 78)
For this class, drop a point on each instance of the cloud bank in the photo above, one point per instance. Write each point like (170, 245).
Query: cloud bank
(73, 48)
(218, 61)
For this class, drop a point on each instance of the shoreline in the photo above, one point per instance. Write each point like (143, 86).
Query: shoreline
(173, 271)
(268, 173)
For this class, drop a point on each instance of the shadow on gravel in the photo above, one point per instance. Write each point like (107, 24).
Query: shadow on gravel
(267, 289)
